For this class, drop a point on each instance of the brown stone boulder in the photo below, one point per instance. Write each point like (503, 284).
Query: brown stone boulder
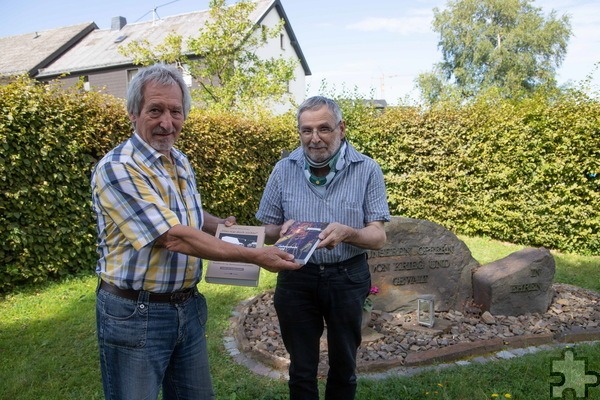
(518, 284)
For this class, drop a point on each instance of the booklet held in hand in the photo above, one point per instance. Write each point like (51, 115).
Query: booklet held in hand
(236, 273)
(301, 240)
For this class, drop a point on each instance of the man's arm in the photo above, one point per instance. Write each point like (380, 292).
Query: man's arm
(193, 242)
(371, 237)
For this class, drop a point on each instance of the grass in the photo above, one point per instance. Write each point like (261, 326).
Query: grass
(48, 346)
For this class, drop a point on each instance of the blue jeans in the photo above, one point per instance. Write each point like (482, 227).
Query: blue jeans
(145, 346)
(306, 300)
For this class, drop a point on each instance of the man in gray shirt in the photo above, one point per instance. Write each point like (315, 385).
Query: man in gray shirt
(325, 180)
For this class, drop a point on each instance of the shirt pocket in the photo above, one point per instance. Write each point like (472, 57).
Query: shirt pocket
(352, 213)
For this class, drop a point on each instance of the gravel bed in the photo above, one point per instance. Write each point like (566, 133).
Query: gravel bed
(389, 337)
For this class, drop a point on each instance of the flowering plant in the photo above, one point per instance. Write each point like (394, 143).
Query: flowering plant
(368, 305)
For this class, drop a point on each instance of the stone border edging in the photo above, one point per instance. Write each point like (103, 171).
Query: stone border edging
(464, 350)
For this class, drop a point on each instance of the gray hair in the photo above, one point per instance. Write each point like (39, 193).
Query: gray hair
(315, 103)
(161, 74)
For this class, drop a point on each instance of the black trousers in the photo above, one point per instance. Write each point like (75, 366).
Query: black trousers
(307, 300)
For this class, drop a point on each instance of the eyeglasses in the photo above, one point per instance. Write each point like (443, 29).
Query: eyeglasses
(322, 130)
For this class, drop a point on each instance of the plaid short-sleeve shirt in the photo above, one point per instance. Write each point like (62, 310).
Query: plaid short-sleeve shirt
(138, 195)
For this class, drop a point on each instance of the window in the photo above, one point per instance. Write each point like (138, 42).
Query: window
(187, 77)
(86, 83)
(282, 41)
(130, 74)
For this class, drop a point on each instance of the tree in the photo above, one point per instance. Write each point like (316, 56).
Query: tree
(434, 88)
(223, 59)
(506, 44)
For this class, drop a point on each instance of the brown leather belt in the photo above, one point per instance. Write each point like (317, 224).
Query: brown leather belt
(175, 297)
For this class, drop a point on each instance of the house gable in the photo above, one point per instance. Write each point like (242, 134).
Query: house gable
(26, 54)
(291, 35)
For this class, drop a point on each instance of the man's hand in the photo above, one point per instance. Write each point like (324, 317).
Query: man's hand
(372, 236)
(274, 232)
(286, 225)
(273, 259)
(334, 234)
(230, 221)
(211, 222)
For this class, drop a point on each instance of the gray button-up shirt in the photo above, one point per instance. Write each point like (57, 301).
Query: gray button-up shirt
(355, 197)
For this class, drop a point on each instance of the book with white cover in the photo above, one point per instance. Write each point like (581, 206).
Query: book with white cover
(236, 273)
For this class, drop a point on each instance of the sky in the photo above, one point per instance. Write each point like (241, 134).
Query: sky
(376, 48)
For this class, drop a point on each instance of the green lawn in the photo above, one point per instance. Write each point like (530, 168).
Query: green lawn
(48, 346)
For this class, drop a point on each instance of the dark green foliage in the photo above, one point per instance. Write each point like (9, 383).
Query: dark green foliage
(233, 157)
(521, 172)
(48, 138)
(524, 172)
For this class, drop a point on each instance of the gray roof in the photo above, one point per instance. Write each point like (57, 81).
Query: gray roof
(29, 52)
(99, 49)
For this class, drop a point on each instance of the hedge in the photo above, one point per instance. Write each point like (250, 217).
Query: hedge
(522, 172)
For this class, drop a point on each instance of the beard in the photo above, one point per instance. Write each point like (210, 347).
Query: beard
(320, 153)
(160, 142)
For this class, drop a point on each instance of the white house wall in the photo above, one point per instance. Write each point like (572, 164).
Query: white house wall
(273, 49)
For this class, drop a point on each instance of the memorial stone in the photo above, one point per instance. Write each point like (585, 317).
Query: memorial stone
(517, 284)
(421, 258)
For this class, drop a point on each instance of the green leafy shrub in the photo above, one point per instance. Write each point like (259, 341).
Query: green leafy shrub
(47, 136)
(524, 172)
(233, 156)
